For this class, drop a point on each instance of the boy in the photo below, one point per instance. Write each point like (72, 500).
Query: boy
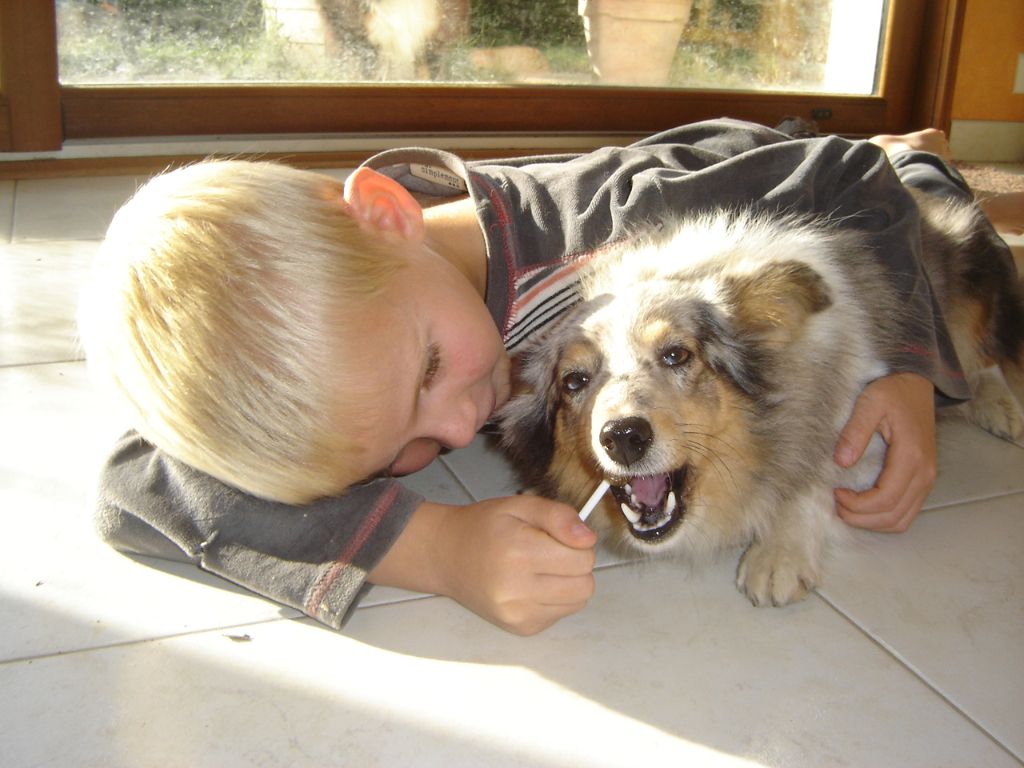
(290, 347)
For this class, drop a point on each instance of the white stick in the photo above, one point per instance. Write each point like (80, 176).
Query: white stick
(592, 501)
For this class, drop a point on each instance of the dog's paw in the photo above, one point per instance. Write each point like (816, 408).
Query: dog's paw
(994, 408)
(775, 575)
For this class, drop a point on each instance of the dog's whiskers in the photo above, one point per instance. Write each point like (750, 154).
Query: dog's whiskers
(696, 435)
(715, 461)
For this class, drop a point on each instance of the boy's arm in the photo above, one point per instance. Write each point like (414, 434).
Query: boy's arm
(313, 558)
(520, 562)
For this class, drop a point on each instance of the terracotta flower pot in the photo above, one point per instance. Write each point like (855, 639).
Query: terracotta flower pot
(632, 42)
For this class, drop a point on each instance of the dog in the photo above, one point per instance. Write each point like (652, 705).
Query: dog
(708, 372)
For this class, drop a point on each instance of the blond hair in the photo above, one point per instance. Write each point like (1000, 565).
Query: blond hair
(216, 309)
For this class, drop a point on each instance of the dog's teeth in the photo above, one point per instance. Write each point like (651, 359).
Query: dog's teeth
(670, 503)
(628, 489)
(633, 517)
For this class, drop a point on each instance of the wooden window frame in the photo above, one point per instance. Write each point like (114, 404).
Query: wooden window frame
(30, 98)
(37, 113)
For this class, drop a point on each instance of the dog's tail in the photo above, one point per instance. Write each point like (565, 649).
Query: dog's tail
(1012, 331)
(975, 279)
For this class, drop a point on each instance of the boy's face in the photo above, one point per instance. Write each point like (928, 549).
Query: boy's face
(439, 368)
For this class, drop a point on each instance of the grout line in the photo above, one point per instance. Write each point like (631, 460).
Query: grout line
(413, 596)
(37, 363)
(462, 485)
(918, 674)
(144, 640)
(973, 500)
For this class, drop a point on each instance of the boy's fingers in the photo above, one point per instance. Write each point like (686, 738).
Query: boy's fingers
(559, 521)
(888, 492)
(895, 520)
(873, 511)
(857, 432)
(891, 505)
(579, 535)
(561, 559)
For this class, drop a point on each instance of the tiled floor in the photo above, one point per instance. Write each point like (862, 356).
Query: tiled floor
(911, 655)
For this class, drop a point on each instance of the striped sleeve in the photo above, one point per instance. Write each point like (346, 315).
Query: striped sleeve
(313, 558)
(541, 295)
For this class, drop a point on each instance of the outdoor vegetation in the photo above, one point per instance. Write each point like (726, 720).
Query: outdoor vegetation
(727, 44)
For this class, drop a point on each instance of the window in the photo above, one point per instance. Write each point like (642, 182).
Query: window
(202, 67)
(828, 46)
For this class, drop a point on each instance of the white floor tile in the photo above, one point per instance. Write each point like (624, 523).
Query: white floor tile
(683, 653)
(658, 671)
(483, 470)
(948, 599)
(438, 483)
(39, 287)
(973, 464)
(69, 209)
(61, 589)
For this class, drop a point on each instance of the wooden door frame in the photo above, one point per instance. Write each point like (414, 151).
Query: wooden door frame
(30, 97)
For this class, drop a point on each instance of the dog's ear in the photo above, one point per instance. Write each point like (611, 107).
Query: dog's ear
(527, 421)
(773, 303)
(731, 354)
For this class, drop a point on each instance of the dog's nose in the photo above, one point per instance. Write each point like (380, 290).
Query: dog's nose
(626, 440)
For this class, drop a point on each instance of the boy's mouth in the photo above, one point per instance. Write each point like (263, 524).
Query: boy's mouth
(653, 505)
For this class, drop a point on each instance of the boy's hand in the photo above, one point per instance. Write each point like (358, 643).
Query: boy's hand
(901, 408)
(520, 562)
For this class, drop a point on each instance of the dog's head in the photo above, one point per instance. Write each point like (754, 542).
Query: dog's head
(662, 383)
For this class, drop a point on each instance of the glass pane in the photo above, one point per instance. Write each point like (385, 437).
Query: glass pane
(777, 45)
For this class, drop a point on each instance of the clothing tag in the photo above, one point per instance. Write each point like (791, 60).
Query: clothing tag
(437, 175)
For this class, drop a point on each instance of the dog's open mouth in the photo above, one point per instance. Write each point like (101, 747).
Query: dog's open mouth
(653, 505)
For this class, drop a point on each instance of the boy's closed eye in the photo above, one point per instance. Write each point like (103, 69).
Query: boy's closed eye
(432, 367)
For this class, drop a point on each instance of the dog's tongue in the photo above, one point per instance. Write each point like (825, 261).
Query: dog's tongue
(650, 491)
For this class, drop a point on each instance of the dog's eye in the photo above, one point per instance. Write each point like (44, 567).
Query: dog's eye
(574, 381)
(673, 356)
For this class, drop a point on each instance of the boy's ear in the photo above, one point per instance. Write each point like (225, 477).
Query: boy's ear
(383, 205)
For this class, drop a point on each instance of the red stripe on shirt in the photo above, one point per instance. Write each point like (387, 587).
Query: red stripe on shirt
(924, 352)
(500, 212)
(559, 275)
(346, 556)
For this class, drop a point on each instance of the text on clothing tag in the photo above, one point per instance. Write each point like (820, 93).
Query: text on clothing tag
(438, 175)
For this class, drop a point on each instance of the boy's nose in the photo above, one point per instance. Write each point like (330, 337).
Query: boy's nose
(457, 428)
